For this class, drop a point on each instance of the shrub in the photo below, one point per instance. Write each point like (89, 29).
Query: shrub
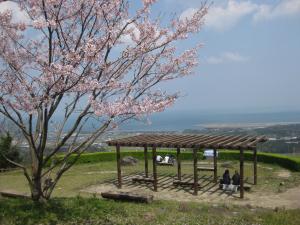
(281, 160)
(9, 151)
(111, 156)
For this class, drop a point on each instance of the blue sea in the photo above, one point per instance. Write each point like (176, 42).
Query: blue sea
(179, 121)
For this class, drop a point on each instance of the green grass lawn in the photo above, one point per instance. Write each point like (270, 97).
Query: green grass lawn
(67, 207)
(80, 210)
(84, 175)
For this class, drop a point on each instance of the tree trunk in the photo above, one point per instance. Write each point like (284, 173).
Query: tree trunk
(36, 190)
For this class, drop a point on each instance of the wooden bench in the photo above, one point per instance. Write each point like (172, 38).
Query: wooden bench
(165, 164)
(246, 187)
(11, 194)
(205, 168)
(128, 196)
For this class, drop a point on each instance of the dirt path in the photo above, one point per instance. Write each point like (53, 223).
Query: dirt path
(209, 193)
(288, 199)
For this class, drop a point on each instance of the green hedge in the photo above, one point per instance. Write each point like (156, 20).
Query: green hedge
(292, 163)
(111, 156)
(281, 160)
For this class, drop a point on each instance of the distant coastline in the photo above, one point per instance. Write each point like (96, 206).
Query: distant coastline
(243, 125)
(179, 121)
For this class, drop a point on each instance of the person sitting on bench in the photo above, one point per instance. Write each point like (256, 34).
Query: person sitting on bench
(236, 180)
(226, 180)
(166, 159)
(159, 158)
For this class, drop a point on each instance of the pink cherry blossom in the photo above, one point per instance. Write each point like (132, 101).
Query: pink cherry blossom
(87, 61)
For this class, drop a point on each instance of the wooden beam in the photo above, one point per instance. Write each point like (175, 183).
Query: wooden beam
(178, 164)
(12, 194)
(257, 140)
(255, 165)
(241, 173)
(164, 164)
(119, 166)
(146, 161)
(215, 166)
(228, 140)
(167, 140)
(205, 168)
(186, 140)
(154, 168)
(190, 141)
(127, 196)
(195, 156)
(196, 141)
(243, 144)
(234, 142)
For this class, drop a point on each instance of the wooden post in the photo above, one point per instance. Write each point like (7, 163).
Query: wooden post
(242, 173)
(178, 164)
(154, 168)
(195, 156)
(215, 166)
(255, 165)
(146, 161)
(119, 166)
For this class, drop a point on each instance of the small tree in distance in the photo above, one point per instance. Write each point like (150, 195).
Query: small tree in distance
(97, 61)
(8, 152)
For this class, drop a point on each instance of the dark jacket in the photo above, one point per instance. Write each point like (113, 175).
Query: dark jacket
(226, 178)
(236, 179)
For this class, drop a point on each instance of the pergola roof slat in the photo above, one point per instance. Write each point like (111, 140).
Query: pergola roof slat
(231, 144)
(171, 141)
(226, 141)
(203, 143)
(219, 140)
(243, 144)
(256, 141)
(190, 141)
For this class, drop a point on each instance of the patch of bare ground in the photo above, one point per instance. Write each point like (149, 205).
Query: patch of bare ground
(289, 199)
(283, 174)
(209, 193)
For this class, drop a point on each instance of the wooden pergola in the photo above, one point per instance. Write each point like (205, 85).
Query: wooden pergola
(195, 142)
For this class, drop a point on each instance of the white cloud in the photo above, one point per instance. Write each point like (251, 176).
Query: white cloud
(227, 15)
(284, 8)
(17, 14)
(130, 30)
(188, 14)
(227, 57)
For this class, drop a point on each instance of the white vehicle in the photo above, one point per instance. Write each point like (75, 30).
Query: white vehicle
(209, 153)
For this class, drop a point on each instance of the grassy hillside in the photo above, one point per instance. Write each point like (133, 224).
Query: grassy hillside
(67, 208)
(96, 211)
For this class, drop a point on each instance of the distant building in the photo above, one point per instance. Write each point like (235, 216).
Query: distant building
(272, 139)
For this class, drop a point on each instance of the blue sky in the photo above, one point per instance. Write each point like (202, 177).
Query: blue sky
(250, 61)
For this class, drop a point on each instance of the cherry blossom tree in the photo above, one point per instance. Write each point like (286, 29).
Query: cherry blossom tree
(85, 61)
